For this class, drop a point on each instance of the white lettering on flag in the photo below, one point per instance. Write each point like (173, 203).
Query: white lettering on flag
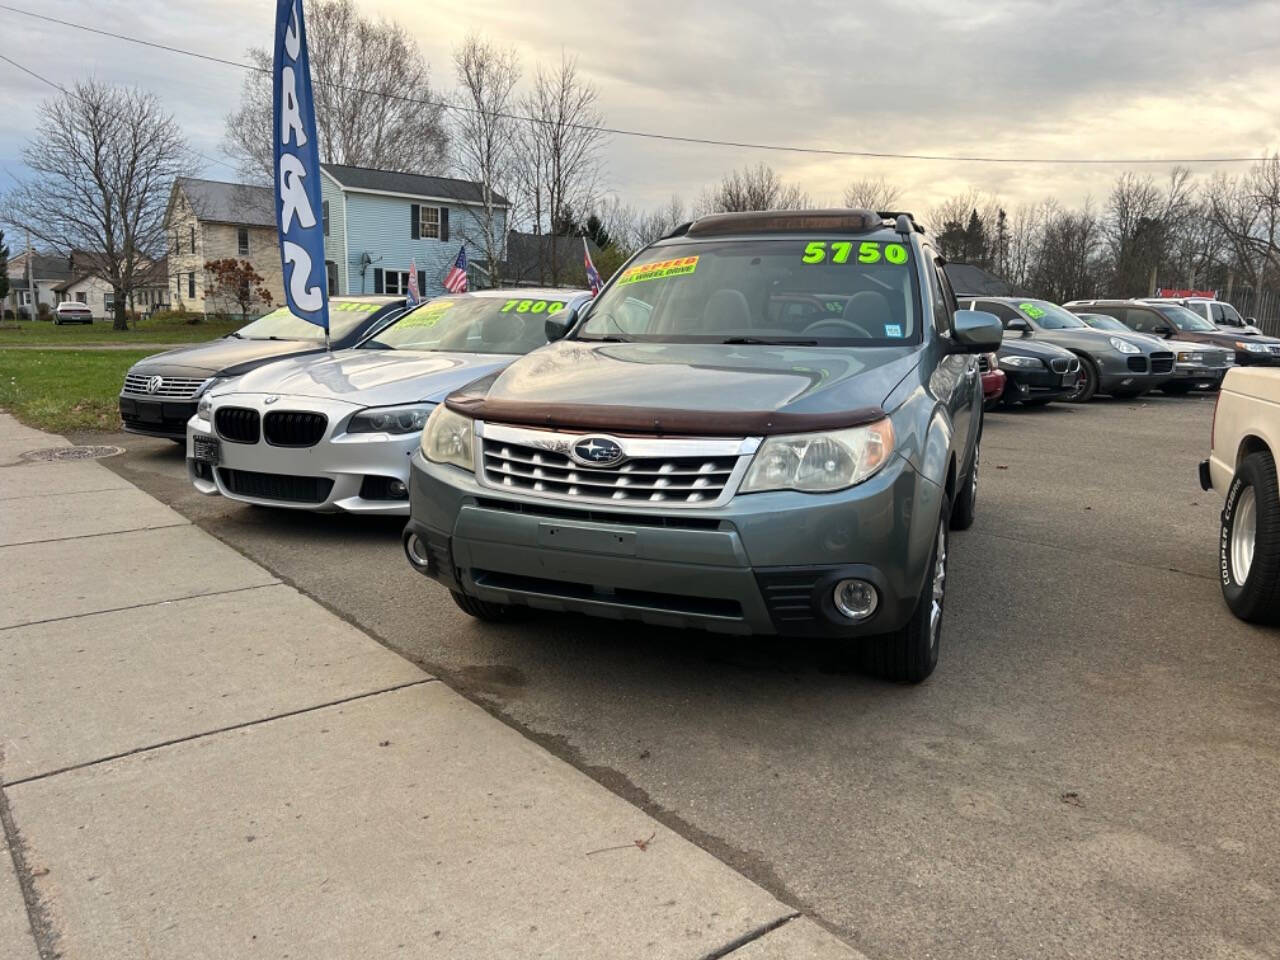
(290, 115)
(293, 194)
(308, 298)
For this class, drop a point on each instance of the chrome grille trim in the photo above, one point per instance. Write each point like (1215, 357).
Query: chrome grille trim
(171, 388)
(658, 472)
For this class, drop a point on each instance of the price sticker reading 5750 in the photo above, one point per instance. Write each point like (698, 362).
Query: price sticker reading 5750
(844, 251)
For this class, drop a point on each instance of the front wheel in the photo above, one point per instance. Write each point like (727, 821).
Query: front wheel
(1087, 385)
(1249, 542)
(966, 507)
(911, 653)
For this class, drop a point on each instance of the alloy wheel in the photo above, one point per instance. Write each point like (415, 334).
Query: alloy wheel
(939, 586)
(1244, 535)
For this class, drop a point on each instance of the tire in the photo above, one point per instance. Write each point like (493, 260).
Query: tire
(1250, 578)
(966, 506)
(1089, 383)
(481, 609)
(910, 654)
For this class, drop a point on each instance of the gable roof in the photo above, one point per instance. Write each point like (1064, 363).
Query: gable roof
(409, 184)
(43, 266)
(238, 203)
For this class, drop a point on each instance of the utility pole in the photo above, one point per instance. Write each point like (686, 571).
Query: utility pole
(31, 283)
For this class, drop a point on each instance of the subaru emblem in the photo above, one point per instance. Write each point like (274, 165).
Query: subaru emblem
(154, 384)
(597, 452)
(271, 399)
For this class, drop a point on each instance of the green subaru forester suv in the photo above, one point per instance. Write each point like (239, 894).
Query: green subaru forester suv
(765, 423)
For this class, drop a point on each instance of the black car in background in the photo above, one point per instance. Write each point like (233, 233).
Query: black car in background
(160, 392)
(1037, 373)
(1170, 321)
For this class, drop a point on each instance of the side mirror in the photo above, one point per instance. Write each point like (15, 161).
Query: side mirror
(557, 326)
(1253, 320)
(1017, 323)
(976, 331)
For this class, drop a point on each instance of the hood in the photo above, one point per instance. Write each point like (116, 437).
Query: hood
(1013, 346)
(206, 359)
(1088, 338)
(370, 378)
(1221, 338)
(706, 389)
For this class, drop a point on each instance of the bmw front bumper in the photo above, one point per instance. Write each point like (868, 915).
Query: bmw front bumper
(351, 472)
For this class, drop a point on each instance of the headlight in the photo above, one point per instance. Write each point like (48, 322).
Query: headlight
(1188, 357)
(406, 419)
(1124, 346)
(820, 462)
(205, 404)
(1252, 347)
(1021, 363)
(448, 438)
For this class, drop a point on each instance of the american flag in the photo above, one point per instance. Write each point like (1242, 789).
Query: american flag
(455, 281)
(593, 277)
(415, 295)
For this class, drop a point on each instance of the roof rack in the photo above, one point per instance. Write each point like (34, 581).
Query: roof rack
(904, 222)
(679, 231)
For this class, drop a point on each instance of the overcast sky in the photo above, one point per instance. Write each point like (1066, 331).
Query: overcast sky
(1139, 79)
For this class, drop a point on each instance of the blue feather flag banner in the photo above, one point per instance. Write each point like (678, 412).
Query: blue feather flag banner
(297, 170)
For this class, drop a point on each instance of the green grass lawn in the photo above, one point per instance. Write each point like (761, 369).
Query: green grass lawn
(61, 390)
(170, 329)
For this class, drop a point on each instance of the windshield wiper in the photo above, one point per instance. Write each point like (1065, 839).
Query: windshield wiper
(609, 338)
(773, 341)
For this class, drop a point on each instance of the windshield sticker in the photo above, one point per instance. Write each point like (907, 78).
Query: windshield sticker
(893, 330)
(659, 270)
(843, 251)
(426, 316)
(532, 306)
(357, 307)
(1032, 311)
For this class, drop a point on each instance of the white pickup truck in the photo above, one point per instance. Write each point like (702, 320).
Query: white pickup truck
(1242, 461)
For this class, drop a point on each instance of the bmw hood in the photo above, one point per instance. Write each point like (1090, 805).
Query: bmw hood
(691, 388)
(369, 378)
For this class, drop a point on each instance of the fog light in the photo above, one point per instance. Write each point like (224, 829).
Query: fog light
(397, 489)
(856, 599)
(416, 551)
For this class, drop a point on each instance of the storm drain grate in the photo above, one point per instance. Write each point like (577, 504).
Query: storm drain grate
(72, 453)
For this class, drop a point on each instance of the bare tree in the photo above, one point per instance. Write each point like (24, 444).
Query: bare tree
(375, 106)
(1066, 264)
(752, 188)
(484, 142)
(1246, 211)
(104, 159)
(872, 194)
(559, 172)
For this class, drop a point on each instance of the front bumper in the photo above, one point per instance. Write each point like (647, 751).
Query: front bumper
(1199, 375)
(760, 564)
(993, 384)
(1043, 384)
(343, 472)
(156, 418)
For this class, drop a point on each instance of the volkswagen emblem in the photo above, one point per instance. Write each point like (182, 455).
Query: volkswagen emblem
(271, 399)
(597, 452)
(154, 384)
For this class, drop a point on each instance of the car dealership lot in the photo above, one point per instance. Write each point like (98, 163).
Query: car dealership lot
(1090, 772)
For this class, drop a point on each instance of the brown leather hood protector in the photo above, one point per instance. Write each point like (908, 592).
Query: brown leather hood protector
(655, 421)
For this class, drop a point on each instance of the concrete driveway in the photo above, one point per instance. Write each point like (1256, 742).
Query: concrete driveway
(1092, 771)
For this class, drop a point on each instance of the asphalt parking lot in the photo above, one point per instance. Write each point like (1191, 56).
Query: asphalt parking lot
(1091, 772)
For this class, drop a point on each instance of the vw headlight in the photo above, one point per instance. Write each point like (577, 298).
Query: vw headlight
(1021, 363)
(448, 438)
(1124, 346)
(409, 418)
(1252, 347)
(820, 462)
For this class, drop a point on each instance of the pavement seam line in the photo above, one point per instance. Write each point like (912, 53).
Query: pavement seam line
(69, 493)
(749, 937)
(147, 748)
(139, 606)
(182, 522)
(38, 922)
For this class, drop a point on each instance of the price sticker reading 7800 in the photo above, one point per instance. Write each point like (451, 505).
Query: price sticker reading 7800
(844, 251)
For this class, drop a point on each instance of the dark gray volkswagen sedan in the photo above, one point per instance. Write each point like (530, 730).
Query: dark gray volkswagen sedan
(160, 392)
(765, 423)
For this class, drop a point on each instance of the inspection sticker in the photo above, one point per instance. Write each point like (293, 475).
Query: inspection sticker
(656, 271)
(893, 330)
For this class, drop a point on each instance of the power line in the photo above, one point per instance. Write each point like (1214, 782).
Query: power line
(59, 87)
(644, 134)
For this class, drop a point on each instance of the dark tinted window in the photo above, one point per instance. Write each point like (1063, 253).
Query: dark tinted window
(1003, 311)
(1144, 321)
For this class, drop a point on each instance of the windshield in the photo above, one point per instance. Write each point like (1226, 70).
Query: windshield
(828, 292)
(282, 325)
(1100, 322)
(1184, 319)
(472, 325)
(1050, 316)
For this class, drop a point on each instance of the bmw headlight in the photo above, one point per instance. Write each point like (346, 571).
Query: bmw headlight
(1021, 363)
(1124, 346)
(820, 462)
(448, 438)
(204, 406)
(1252, 347)
(409, 418)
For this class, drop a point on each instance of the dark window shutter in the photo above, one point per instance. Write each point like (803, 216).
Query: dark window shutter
(444, 223)
(422, 282)
(377, 279)
(415, 227)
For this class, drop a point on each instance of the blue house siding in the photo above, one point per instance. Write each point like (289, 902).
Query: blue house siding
(335, 240)
(381, 226)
